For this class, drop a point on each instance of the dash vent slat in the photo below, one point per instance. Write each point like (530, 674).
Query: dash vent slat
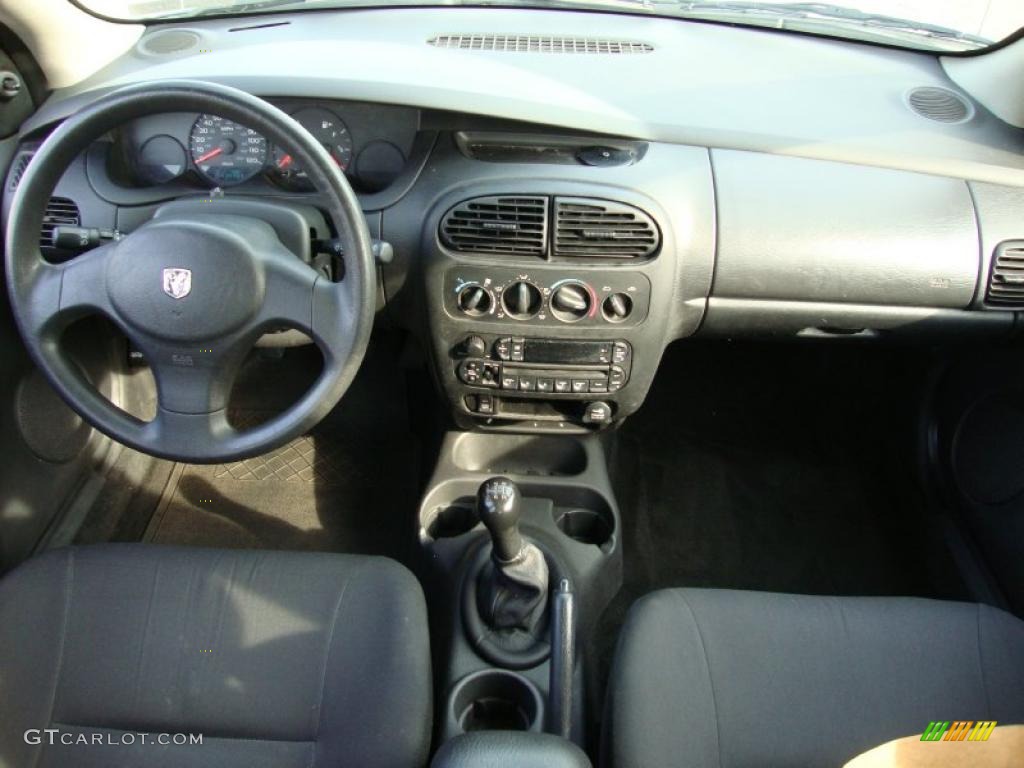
(512, 225)
(1006, 283)
(586, 228)
(60, 211)
(539, 44)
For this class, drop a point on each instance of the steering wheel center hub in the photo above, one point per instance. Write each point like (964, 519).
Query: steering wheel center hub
(185, 280)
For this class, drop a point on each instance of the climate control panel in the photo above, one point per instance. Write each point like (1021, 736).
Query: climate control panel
(547, 297)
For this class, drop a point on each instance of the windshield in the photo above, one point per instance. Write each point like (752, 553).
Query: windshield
(946, 25)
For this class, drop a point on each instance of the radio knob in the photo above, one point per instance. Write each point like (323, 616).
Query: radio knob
(522, 300)
(570, 302)
(617, 308)
(474, 346)
(474, 300)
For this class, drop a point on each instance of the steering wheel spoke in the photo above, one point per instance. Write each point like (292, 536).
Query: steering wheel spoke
(300, 297)
(59, 294)
(194, 379)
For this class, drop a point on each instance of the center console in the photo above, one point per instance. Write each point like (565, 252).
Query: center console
(548, 311)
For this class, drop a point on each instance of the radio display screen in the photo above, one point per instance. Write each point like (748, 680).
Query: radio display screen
(555, 351)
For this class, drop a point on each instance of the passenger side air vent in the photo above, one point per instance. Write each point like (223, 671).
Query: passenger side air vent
(589, 229)
(502, 225)
(539, 44)
(1006, 285)
(60, 211)
(940, 104)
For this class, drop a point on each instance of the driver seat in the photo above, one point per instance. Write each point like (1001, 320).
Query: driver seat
(275, 658)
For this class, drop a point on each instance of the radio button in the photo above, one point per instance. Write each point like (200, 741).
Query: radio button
(621, 352)
(503, 349)
(545, 385)
(599, 385)
(527, 383)
(616, 378)
(509, 381)
(562, 386)
(518, 349)
(580, 386)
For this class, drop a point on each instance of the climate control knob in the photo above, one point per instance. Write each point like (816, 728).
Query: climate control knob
(571, 302)
(617, 307)
(522, 300)
(475, 300)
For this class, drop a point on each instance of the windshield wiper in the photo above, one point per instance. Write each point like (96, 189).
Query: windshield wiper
(833, 13)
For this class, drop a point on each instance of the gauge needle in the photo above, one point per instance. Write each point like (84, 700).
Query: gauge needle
(209, 155)
(284, 162)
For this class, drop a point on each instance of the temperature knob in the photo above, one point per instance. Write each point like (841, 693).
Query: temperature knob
(522, 300)
(475, 300)
(571, 302)
(617, 307)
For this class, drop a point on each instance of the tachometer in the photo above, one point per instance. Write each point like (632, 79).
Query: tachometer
(326, 128)
(225, 152)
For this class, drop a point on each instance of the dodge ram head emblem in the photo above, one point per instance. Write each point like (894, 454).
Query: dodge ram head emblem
(177, 282)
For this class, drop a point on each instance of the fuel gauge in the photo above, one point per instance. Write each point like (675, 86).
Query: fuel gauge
(330, 131)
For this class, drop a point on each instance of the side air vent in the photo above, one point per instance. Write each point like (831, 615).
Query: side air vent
(169, 41)
(504, 225)
(539, 44)
(18, 170)
(1006, 285)
(940, 104)
(589, 229)
(60, 211)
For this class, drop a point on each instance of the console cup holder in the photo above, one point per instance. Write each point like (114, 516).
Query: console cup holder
(495, 700)
(449, 520)
(587, 526)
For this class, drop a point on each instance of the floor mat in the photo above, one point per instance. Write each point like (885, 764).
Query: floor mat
(351, 485)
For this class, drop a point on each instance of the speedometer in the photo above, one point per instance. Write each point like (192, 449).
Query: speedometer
(225, 152)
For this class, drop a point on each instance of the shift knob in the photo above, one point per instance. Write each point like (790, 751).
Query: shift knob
(497, 503)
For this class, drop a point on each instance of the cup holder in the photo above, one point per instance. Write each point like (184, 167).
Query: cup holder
(449, 520)
(587, 526)
(495, 700)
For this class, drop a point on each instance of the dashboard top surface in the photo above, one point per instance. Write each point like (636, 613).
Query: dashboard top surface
(703, 84)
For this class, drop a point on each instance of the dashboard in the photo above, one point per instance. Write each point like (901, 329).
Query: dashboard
(557, 219)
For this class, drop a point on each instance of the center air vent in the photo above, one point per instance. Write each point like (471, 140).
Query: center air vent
(502, 225)
(60, 211)
(940, 104)
(1006, 285)
(539, 44)
(586, 228)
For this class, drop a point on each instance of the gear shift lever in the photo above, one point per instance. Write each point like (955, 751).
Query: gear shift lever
(498, 504)
(513, 590)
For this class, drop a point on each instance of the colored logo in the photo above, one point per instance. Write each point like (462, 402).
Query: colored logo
(959, 730)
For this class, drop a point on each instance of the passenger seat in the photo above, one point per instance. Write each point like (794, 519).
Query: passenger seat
(707, 677)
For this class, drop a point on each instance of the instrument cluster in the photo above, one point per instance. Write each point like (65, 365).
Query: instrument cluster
(370, 144)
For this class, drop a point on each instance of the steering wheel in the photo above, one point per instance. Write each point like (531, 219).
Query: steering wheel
(192, 294)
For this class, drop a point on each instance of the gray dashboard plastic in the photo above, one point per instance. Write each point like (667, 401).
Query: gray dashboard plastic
(1000, 217)
(806, 230)
(701, 84)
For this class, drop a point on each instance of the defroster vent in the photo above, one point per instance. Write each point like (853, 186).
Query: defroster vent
(513, 225)
(1006, 284)
(588, 228)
